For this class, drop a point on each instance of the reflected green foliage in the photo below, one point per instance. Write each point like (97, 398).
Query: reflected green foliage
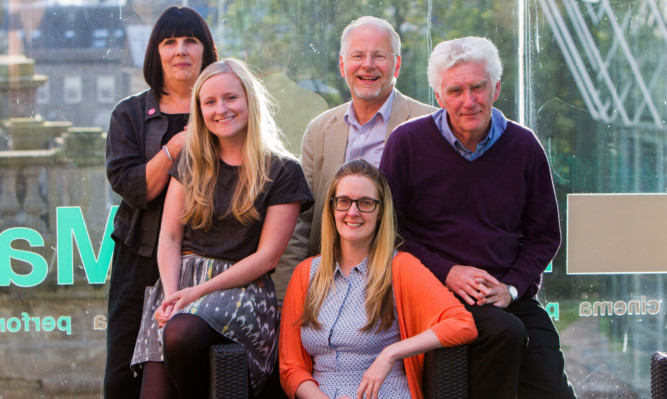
(265, 34)
(589, 155)
(568, 313)
(621, 148)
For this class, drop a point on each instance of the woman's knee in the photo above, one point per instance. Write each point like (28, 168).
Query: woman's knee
(179, 335)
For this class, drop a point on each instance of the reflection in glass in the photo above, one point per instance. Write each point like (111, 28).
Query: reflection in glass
(594, 92)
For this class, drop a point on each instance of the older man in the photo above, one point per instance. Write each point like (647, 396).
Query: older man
(476, 204)
(370, 62)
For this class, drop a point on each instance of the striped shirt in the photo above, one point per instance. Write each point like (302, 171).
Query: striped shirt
(367, 141)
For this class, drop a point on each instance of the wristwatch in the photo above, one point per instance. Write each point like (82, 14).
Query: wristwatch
(513, 292)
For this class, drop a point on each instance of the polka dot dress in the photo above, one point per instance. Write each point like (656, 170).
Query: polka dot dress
(247, 315)
(341, 352)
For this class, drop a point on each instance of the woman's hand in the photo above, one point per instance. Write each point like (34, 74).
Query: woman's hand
(163, 314)
(157, 169)
(175, 302)
(177, 142)
(375, 375)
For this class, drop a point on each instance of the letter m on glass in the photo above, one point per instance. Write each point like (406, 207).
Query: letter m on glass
(71, 228)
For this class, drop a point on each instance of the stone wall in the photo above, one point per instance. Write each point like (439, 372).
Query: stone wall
(52, 337)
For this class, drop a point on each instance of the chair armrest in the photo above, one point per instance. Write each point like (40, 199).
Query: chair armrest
(659, 375)
(229, 371)
(446, 373)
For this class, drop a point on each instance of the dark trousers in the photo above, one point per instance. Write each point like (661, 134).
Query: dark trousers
(517, 354)
(130, 275)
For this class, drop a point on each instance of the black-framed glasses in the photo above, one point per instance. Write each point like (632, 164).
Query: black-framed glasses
(363, 204)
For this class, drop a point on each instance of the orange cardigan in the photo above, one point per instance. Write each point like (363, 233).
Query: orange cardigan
(422, 302)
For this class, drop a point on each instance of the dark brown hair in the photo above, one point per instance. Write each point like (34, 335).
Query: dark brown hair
(176, 22)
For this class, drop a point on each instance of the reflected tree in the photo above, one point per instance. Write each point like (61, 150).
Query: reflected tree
(265, 35)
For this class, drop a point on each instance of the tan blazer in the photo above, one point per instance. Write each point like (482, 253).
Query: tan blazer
(322, 153)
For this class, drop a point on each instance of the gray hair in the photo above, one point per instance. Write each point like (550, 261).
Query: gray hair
(450, 53)
(377, 23)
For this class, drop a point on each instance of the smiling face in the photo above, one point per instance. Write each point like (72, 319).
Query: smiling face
(356, 228)
(181, 58)
(467, 94)
(370, 78)
(224, 107)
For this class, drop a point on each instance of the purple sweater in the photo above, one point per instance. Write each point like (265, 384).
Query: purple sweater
(497, 213)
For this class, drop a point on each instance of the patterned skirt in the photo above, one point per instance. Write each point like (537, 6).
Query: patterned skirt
(247, 315)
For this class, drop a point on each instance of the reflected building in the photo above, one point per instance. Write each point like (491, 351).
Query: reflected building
(83, 50)
(594, 89)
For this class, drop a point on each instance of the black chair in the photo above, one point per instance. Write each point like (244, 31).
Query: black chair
(229, 371)
(445, 373)
(659, 375)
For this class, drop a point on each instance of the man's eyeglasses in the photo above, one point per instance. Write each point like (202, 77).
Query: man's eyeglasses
(363, 204)
(378, 57)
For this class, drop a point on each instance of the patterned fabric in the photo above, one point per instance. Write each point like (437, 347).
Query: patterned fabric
(247, 315)
(341, 352)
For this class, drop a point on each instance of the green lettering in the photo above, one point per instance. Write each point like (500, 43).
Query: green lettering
(65, 324)
(553, 309)
(48, 323)
(16, 324)
(72, 227)
(39, 265)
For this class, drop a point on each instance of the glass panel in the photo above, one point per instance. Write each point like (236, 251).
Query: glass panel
(587, 76)
(596, 84)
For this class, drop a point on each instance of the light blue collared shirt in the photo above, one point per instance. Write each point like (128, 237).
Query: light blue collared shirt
(498, 126)
(367, 141)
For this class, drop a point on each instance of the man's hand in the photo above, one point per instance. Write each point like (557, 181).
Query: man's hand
(498, 296)
(473, 285)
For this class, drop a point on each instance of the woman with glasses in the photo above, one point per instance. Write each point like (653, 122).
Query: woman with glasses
(353, 312)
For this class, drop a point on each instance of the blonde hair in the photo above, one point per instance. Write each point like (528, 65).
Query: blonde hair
(379, 302)
(199, 167)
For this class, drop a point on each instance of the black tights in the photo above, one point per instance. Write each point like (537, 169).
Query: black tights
(185, 371)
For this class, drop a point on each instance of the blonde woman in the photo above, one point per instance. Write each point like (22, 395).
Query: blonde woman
(230, 209)
(352, 314)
